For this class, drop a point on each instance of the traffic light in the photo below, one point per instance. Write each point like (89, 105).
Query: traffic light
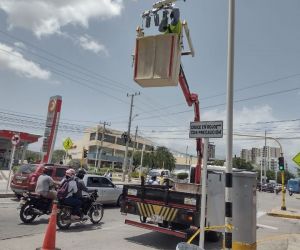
(85, 152)
(281, 163)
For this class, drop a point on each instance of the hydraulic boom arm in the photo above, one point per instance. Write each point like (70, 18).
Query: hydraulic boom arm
(192, 99)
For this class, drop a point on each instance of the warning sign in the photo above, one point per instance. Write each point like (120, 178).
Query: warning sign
(206, 129)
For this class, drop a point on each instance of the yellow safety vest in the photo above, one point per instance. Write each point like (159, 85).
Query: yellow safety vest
(174, 28)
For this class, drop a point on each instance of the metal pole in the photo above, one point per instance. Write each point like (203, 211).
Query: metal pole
(10, 166)
(230, 87)
(203, 194)
(142, 161)
(124, 167)
(186, 154)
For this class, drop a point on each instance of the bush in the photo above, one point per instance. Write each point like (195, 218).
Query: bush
(137, 174)
(15, 168)
(182, 176)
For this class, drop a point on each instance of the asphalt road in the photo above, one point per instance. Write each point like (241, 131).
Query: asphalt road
(112, 233)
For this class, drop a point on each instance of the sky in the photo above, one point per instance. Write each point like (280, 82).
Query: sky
(82, 50)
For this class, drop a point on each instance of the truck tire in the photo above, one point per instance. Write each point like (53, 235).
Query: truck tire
(213, 236)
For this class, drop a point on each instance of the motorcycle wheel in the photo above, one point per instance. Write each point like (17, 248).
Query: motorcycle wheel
(290, 193)
(96, 214)
(26, 213)
(64, 219)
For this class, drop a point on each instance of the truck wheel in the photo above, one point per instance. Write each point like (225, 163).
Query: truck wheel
(213, 236)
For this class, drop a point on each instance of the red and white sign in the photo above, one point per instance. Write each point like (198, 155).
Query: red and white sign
(15, 140)
(52, 122)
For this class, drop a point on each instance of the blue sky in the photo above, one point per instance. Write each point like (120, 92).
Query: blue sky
(82, 51)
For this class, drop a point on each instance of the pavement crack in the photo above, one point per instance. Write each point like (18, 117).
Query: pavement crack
(19, 236)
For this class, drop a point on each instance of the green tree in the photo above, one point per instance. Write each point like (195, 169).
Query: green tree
(58, 156)
(76, 164)
(32, 156)
(163, 158)
(240, 163)
(219, 162)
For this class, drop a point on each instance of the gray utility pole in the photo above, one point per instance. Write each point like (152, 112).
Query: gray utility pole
(102, 139)
(124, 167)
(229, 142)
(266, 157)
(131, 158)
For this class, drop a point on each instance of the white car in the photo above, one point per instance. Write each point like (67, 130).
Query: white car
(108, 192)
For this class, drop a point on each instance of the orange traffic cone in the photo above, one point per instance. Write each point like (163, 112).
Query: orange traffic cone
(50, 236)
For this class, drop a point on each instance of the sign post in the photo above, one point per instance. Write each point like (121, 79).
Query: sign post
(68, 144)
(206, 130)
(15, 141)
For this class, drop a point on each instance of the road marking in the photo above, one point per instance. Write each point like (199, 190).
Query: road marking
(266, 226)
(260, 214)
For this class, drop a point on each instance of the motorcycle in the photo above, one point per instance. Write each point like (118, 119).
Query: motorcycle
(290, 191)
(33, 205)
(91, 208)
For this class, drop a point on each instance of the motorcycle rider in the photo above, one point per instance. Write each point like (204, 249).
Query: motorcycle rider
(71, 198)
(81, 186)
(44, 184)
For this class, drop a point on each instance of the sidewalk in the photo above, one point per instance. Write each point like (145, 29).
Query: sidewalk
(290, 213)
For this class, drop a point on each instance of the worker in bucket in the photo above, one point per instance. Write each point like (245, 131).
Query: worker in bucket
(175, 26)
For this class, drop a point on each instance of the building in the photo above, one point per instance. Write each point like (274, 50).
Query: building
(266, 156)
(113, 146)
(246, 155)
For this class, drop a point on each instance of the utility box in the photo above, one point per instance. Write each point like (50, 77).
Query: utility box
(244, 204)
(157, 60)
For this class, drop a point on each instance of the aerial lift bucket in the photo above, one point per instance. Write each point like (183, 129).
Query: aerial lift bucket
(157, 60)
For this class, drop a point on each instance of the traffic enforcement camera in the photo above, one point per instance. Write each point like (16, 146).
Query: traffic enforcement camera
(85, 152)
(281, 163)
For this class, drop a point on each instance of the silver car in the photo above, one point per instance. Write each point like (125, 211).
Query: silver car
(108, 192)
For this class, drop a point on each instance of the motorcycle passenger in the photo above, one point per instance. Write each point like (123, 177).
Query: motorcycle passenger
(81, 186)
(71, 198)
(44, 184)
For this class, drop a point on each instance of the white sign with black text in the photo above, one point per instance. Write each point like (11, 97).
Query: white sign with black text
(206, 129)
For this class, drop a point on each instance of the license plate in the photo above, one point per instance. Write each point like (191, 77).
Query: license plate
(19, 181)
(157, 218)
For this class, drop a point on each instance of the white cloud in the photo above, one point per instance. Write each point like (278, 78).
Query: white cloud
(88, 43)
(20, 45)
(45, 17)
(13, 60)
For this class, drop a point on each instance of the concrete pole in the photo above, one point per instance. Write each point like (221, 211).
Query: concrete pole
(10, 166)
(124, 167)
(142, 155)
(131, 158)
(25, 146)
(101, 150)
(203, 194)
(97, 148)
(229, 142)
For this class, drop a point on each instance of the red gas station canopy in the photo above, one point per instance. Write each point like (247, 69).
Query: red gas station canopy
(24, 137)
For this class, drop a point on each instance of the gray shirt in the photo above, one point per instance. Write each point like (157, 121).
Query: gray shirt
(43, 184)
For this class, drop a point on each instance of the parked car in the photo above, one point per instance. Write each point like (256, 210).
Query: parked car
(24, 180)
(108, 192)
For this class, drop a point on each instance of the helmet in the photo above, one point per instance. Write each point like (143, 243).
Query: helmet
(80, 173)
(70, 172)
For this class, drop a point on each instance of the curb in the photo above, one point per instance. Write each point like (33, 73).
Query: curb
(277, 213)
(9, 195)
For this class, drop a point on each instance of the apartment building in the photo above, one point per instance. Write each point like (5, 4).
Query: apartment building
(266, 156)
